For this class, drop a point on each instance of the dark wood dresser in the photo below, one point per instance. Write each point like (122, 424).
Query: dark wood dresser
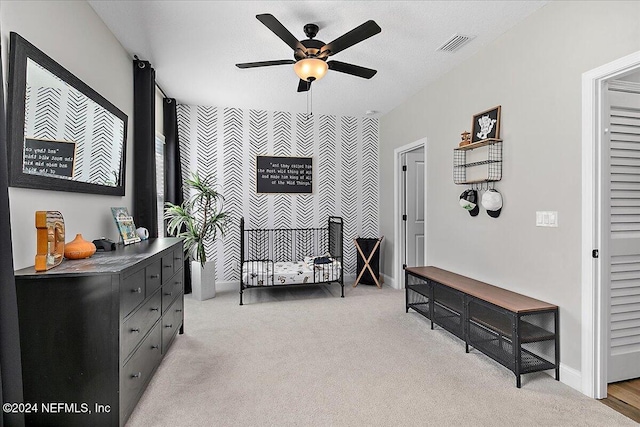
(93, 332)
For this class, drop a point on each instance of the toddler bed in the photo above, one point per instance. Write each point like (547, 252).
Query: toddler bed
(291, 257)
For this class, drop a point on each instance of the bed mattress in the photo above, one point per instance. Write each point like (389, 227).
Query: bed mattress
(267, 273)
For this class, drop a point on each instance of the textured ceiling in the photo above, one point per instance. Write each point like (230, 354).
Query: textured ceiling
(194, 46)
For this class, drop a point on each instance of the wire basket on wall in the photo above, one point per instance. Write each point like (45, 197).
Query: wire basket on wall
(493, 161)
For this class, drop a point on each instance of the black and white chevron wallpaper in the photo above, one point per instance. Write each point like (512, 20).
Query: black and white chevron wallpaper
(224, 142)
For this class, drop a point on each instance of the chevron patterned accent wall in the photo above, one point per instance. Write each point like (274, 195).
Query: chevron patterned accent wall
(224, 142)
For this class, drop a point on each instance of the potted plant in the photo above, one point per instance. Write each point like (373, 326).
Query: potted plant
(198, 220)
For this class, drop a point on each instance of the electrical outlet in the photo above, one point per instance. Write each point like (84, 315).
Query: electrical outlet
(234, 265)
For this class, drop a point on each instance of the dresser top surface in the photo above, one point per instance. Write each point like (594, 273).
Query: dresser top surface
(112, 262)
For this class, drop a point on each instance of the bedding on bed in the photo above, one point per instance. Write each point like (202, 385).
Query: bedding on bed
(265, 273)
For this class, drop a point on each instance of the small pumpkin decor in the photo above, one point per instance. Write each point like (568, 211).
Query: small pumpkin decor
(79, 248)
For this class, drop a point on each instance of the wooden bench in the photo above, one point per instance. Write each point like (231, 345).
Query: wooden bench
(519, 332)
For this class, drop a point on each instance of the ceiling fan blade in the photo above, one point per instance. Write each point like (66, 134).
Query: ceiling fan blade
(304, 86)
(358, 34)
(265, 63)
(279, 30)
(355, 70)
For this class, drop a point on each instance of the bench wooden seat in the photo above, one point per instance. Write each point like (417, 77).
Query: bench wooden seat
(509, 327)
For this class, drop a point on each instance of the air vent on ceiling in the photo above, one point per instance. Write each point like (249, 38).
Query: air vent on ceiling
(455, 43)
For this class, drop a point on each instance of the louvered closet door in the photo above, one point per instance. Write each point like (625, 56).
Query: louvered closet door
(624, 234)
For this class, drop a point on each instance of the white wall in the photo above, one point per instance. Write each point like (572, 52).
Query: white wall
(73, 35)
(534, 71)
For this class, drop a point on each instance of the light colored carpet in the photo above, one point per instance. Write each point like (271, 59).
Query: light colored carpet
(306, 357)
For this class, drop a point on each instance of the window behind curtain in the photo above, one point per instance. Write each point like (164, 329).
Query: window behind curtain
(160, 183)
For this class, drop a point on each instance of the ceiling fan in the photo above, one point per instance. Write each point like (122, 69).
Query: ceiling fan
(311, 55)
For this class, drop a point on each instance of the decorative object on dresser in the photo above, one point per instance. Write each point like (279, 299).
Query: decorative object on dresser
(126, 226)
(49, 239)
(63, 135)
(79, 248)
(104, 244)
(197, 221)
(94, 331)
(519, 332)
(143, 233)
(291, 256)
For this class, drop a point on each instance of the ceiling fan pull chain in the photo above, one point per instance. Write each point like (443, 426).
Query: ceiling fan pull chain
(311, 101)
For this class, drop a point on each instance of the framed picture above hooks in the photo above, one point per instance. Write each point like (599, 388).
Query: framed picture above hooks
(486, 125)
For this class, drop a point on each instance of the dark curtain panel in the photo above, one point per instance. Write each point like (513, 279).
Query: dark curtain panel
(144, 155)
(173, 169)
(10, 364)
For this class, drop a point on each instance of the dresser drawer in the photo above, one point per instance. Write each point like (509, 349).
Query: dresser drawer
(167, 267)
(171, 290)
(178, 259)
(131, 292)
(138, 324)
(171, 322)
(136, 373)
(153, 278)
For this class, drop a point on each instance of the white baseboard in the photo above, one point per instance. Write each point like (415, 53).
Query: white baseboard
(390, 281)
(571, 377)
(349, 279)
(232, 285)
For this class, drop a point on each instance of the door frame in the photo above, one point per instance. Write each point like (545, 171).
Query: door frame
(595, 317)
(397, 215)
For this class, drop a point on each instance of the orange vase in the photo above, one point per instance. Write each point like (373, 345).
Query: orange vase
(79, 248)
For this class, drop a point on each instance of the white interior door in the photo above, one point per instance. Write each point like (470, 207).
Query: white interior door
(414, 194)
(621, 154)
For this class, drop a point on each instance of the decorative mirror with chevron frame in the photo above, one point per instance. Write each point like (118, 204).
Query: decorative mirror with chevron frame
(63, 135)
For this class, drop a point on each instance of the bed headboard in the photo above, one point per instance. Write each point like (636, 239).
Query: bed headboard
(290, 244)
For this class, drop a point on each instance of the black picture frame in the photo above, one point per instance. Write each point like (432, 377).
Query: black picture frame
(478, 133)
(284, 174)
(20, 51)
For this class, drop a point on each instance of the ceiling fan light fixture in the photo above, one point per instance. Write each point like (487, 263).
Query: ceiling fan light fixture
(310, 69)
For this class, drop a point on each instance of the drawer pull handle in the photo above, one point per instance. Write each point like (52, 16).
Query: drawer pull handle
(168, 265)
(137, 330)
(178, 310)
(136, 291)
(154, 276)
(168, 293)
(169, 326)
(154, 347)
(178, 282)
(177, 259)
(136, 375)
(154, 309)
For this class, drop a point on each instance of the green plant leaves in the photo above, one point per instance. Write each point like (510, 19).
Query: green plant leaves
(199, 219)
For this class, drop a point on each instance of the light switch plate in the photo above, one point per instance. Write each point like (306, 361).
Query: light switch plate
(546, 218)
